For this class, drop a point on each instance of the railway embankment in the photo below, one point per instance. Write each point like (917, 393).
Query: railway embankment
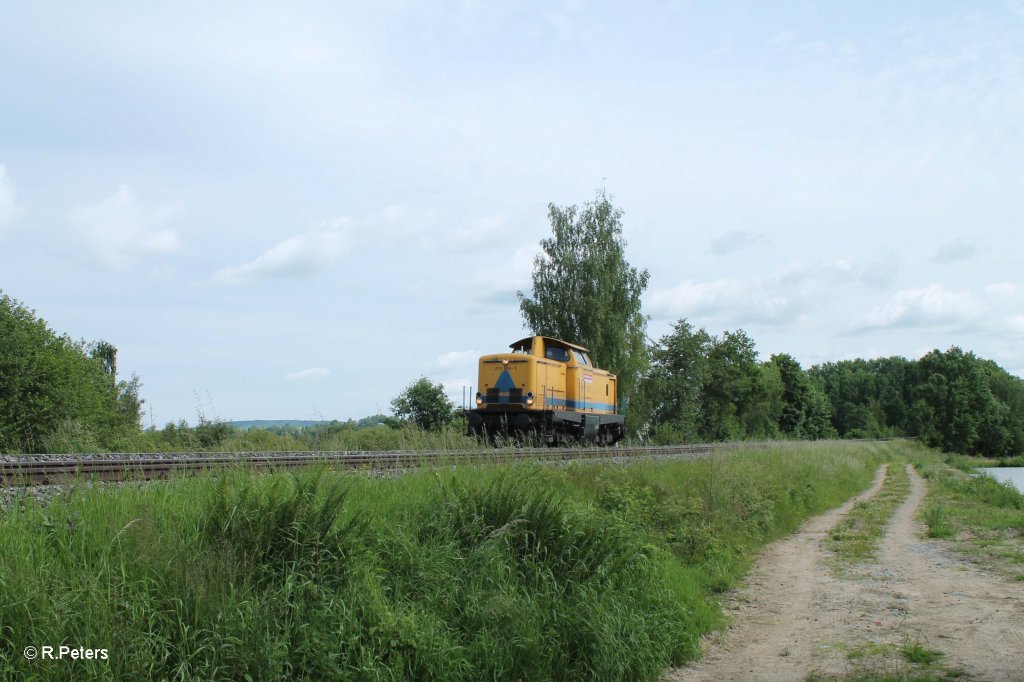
(608, 568)
(591, 570)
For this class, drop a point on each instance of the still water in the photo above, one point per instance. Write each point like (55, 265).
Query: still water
(1015, 475)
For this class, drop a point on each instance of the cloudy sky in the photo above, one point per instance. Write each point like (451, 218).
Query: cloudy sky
(292, 213)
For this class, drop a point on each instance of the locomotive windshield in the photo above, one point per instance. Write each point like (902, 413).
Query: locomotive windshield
(581, 357)
(526, 347)
(556, 353)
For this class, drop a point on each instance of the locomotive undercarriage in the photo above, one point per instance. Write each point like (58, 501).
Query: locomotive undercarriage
(546, 427)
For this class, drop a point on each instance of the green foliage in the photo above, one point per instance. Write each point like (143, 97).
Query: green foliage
(586, 292)
(516, 572)
(805, 411)
(918, 653)
(956, 410)
(938, 524)
(984, 516)
(424, 404)
(733, 387)
(58, 392)
(678, 374)
(292, 525)
(706, 388)
(951, 400)
(222, 437)
(71, 436)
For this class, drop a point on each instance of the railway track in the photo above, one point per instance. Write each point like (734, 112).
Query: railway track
(31, 470)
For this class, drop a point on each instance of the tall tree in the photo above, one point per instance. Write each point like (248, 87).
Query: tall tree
(735, 391)
(585, 291)
(805, 410)
(424, 404)
(50, 383)
(956, 406)
(678, 374)
(795, 394)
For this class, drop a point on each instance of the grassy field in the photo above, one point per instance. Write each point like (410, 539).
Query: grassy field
(575, 572)
(982, 516)
(218, 436)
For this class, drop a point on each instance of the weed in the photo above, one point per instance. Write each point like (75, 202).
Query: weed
(938, 525)
(917, 653)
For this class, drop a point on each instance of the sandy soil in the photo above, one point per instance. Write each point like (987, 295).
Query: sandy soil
(793, 617)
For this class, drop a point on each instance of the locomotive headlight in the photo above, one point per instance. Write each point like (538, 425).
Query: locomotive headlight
(479, 398)
(504, 361)
(529, 398)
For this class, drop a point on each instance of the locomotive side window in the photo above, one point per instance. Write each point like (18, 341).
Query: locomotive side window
(555, 353)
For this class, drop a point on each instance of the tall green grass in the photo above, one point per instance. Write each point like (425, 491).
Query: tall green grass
(490, 572)
(975, 503)
(222, 437)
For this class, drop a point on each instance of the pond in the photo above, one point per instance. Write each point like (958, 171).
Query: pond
(1012, 475)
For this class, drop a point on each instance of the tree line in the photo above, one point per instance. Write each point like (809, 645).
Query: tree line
(704, 388)
(54, 388)
(692, 386)
(687, 386)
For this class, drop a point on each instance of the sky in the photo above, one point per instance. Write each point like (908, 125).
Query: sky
(293, 210)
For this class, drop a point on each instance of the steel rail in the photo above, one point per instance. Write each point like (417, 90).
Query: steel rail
(27, 470)
(44, 469)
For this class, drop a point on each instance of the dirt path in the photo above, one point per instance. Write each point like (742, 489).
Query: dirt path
(793, 617)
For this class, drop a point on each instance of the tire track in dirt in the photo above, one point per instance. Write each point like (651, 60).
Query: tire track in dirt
(793, 617)
(974, 617)
(774, 620)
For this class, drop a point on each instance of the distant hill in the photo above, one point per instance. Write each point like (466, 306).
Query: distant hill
(273, 423)
(306, 423)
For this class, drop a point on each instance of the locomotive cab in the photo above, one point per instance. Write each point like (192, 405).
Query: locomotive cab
(548, 389)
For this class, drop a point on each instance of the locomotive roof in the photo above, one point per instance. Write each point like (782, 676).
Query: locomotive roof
(529, 339)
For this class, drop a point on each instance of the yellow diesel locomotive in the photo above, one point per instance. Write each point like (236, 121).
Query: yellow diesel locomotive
(546, 390)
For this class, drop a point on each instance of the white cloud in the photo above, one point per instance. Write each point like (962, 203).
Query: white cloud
(780, 298)
(1001, 289)
(396, 212)
(954, 251)
(734, 240)
(298, 256)
(879, 275)
(479, 234)
(9, 209)
(690, 298)
(927, 307)
(120, 228)
(457, 389)
(1015, 324)
(498, 284)
(457, 358)
(311, 373)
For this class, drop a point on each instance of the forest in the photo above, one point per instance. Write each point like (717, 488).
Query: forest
(58, 394)
(706, 388)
